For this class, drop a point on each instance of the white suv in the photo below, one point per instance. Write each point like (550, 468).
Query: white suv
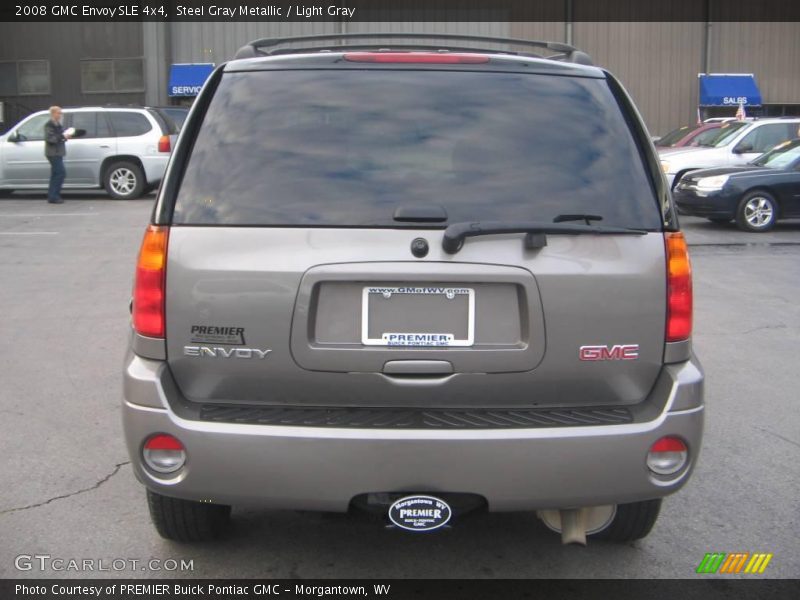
(737, 143)
(124, 150)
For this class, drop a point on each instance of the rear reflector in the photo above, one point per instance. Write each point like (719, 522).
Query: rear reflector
(163, 144)
(679, 288)
(667, 456)
(668, 444)
(148, 290)
(163, 441)
(164, 453)
(416, 57)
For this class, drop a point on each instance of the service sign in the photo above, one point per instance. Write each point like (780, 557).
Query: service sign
(420, 513)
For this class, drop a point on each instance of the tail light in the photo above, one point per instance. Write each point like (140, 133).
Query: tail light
(416, 57)
(148, 290)
(667, 456)
(164, 453)
(164, 144)
(679, 288)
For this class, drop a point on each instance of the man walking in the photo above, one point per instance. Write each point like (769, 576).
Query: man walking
(54, 149)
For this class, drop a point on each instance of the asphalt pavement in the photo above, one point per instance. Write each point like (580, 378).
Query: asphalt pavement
(68, 492)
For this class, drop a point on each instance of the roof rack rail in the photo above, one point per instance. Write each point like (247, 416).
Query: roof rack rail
(274, 46)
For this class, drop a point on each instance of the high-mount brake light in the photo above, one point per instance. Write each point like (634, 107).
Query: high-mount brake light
(148, 290)
(440, 58)
(679, 288)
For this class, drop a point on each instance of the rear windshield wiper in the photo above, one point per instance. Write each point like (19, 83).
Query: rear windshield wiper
(456, 233)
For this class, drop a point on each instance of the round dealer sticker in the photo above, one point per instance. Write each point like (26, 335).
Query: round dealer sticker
(420, 513)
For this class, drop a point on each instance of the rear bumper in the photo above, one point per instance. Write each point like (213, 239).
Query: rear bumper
(323, 468)
(154, 167)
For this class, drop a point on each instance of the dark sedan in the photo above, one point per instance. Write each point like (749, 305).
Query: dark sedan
(756, 195)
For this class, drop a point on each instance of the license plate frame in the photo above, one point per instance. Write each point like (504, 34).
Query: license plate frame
(418, 339)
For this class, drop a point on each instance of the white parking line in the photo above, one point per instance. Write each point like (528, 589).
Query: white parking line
(29, 232)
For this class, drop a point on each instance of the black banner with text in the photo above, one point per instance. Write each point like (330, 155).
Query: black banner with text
(508, 589)
(400, 10)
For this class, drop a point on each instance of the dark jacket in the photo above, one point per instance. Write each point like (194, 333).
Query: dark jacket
(54, 140)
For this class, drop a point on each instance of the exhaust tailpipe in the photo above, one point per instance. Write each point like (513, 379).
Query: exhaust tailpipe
(573, 526)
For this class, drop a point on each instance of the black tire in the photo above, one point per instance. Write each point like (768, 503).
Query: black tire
(186, 520)
(632, 522)
(6, 193)
(720, 220)
(124, 180)
(757, 211)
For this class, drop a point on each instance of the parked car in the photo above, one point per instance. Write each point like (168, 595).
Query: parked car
(737, 143)
(755, 195)
(468, 292)
(689, 135)
(122, 149)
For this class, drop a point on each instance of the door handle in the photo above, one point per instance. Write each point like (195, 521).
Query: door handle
(105, 146)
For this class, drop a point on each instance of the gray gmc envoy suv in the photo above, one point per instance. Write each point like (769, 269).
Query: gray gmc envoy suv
(416, 279)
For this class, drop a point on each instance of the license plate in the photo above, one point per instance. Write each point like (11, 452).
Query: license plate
(418, 316)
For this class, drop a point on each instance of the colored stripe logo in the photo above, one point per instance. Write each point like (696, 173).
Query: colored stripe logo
(735, 562)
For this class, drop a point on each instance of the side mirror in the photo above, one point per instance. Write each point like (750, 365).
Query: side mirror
(743, 148)
(13, 137)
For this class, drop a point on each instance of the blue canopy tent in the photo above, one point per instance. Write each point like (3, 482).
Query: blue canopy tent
(728, 90)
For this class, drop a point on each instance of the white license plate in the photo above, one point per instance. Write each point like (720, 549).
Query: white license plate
(420, 316)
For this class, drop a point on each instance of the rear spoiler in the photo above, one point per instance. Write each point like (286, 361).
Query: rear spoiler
(312, 43)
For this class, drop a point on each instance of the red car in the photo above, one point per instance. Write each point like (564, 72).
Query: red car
(688, 135)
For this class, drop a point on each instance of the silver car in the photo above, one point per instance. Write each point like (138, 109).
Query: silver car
(124, 150)
(417, 283)
(736, 143)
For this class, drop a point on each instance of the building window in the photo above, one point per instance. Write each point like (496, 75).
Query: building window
(97, 76)
(33, 77)
(24, 78)
(112, 75)
(129, 75)
(8, 79)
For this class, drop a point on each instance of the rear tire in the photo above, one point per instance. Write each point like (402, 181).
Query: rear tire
(124, 180)
(632, 522)
(757, 212)
(186, 520)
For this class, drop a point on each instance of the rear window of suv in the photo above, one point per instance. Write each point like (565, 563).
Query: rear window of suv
(347, 147)
(129, 124)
